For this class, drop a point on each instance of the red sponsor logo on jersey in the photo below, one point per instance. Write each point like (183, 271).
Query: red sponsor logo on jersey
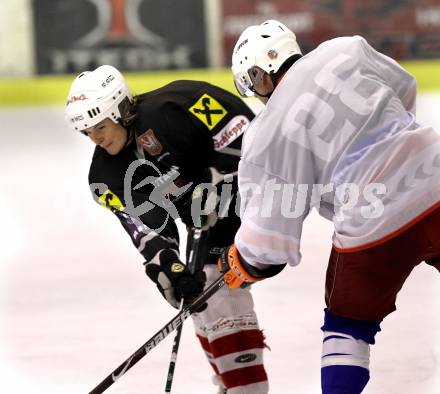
(150, 143)
(230, 132)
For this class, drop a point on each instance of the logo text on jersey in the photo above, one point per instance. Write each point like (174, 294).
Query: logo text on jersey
(111, 201)
(209, 111)
(234, 129)
(150, 143)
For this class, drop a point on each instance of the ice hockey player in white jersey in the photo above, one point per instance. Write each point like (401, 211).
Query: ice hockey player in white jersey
(338, 133)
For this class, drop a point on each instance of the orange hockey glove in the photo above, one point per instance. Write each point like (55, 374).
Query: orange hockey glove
(238, 273)
(235, 273)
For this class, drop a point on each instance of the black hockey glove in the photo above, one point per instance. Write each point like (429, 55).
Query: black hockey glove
(174, 280)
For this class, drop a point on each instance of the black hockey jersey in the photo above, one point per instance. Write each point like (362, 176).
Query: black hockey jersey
(181, 131)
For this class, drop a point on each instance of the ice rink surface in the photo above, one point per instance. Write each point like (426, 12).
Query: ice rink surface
(75, 302)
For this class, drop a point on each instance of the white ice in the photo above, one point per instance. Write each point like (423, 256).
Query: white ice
(75, 302)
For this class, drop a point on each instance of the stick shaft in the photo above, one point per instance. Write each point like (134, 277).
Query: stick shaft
(173, 359)
(174, 323)
(192, 266)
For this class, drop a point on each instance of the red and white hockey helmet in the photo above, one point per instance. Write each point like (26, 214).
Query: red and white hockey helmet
(95, 96)
(266, 46)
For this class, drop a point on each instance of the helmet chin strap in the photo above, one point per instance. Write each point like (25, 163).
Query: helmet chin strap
(130, 136)
(267, 95)
(275, 80)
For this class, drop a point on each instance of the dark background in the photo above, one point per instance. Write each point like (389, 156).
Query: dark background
(402, 29)
(61, 25)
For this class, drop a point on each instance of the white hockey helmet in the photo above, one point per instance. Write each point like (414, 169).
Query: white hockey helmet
(266, 46)
(95, 96)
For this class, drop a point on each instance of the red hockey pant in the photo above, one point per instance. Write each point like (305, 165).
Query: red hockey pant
(363, 284)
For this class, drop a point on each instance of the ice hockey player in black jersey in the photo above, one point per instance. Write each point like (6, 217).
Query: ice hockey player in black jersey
(155, 153)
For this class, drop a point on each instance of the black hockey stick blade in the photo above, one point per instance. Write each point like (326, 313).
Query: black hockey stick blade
(159, 336)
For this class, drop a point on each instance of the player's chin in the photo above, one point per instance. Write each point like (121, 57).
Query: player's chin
(114, 148)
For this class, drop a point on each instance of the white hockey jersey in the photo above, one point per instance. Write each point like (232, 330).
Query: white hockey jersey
(339, 133)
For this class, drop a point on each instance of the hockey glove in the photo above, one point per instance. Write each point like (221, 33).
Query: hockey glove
(238, 273)
(174, 280)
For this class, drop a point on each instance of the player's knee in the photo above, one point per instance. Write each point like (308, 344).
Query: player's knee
(346, 354)
(344, 364)
(238, 372)
(238, 357)
(343, 349)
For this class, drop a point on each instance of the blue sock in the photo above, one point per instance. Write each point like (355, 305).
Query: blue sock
(344, 379)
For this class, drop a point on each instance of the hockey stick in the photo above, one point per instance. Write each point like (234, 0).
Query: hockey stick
(192, 266)
(172, 365)
(159, 336)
